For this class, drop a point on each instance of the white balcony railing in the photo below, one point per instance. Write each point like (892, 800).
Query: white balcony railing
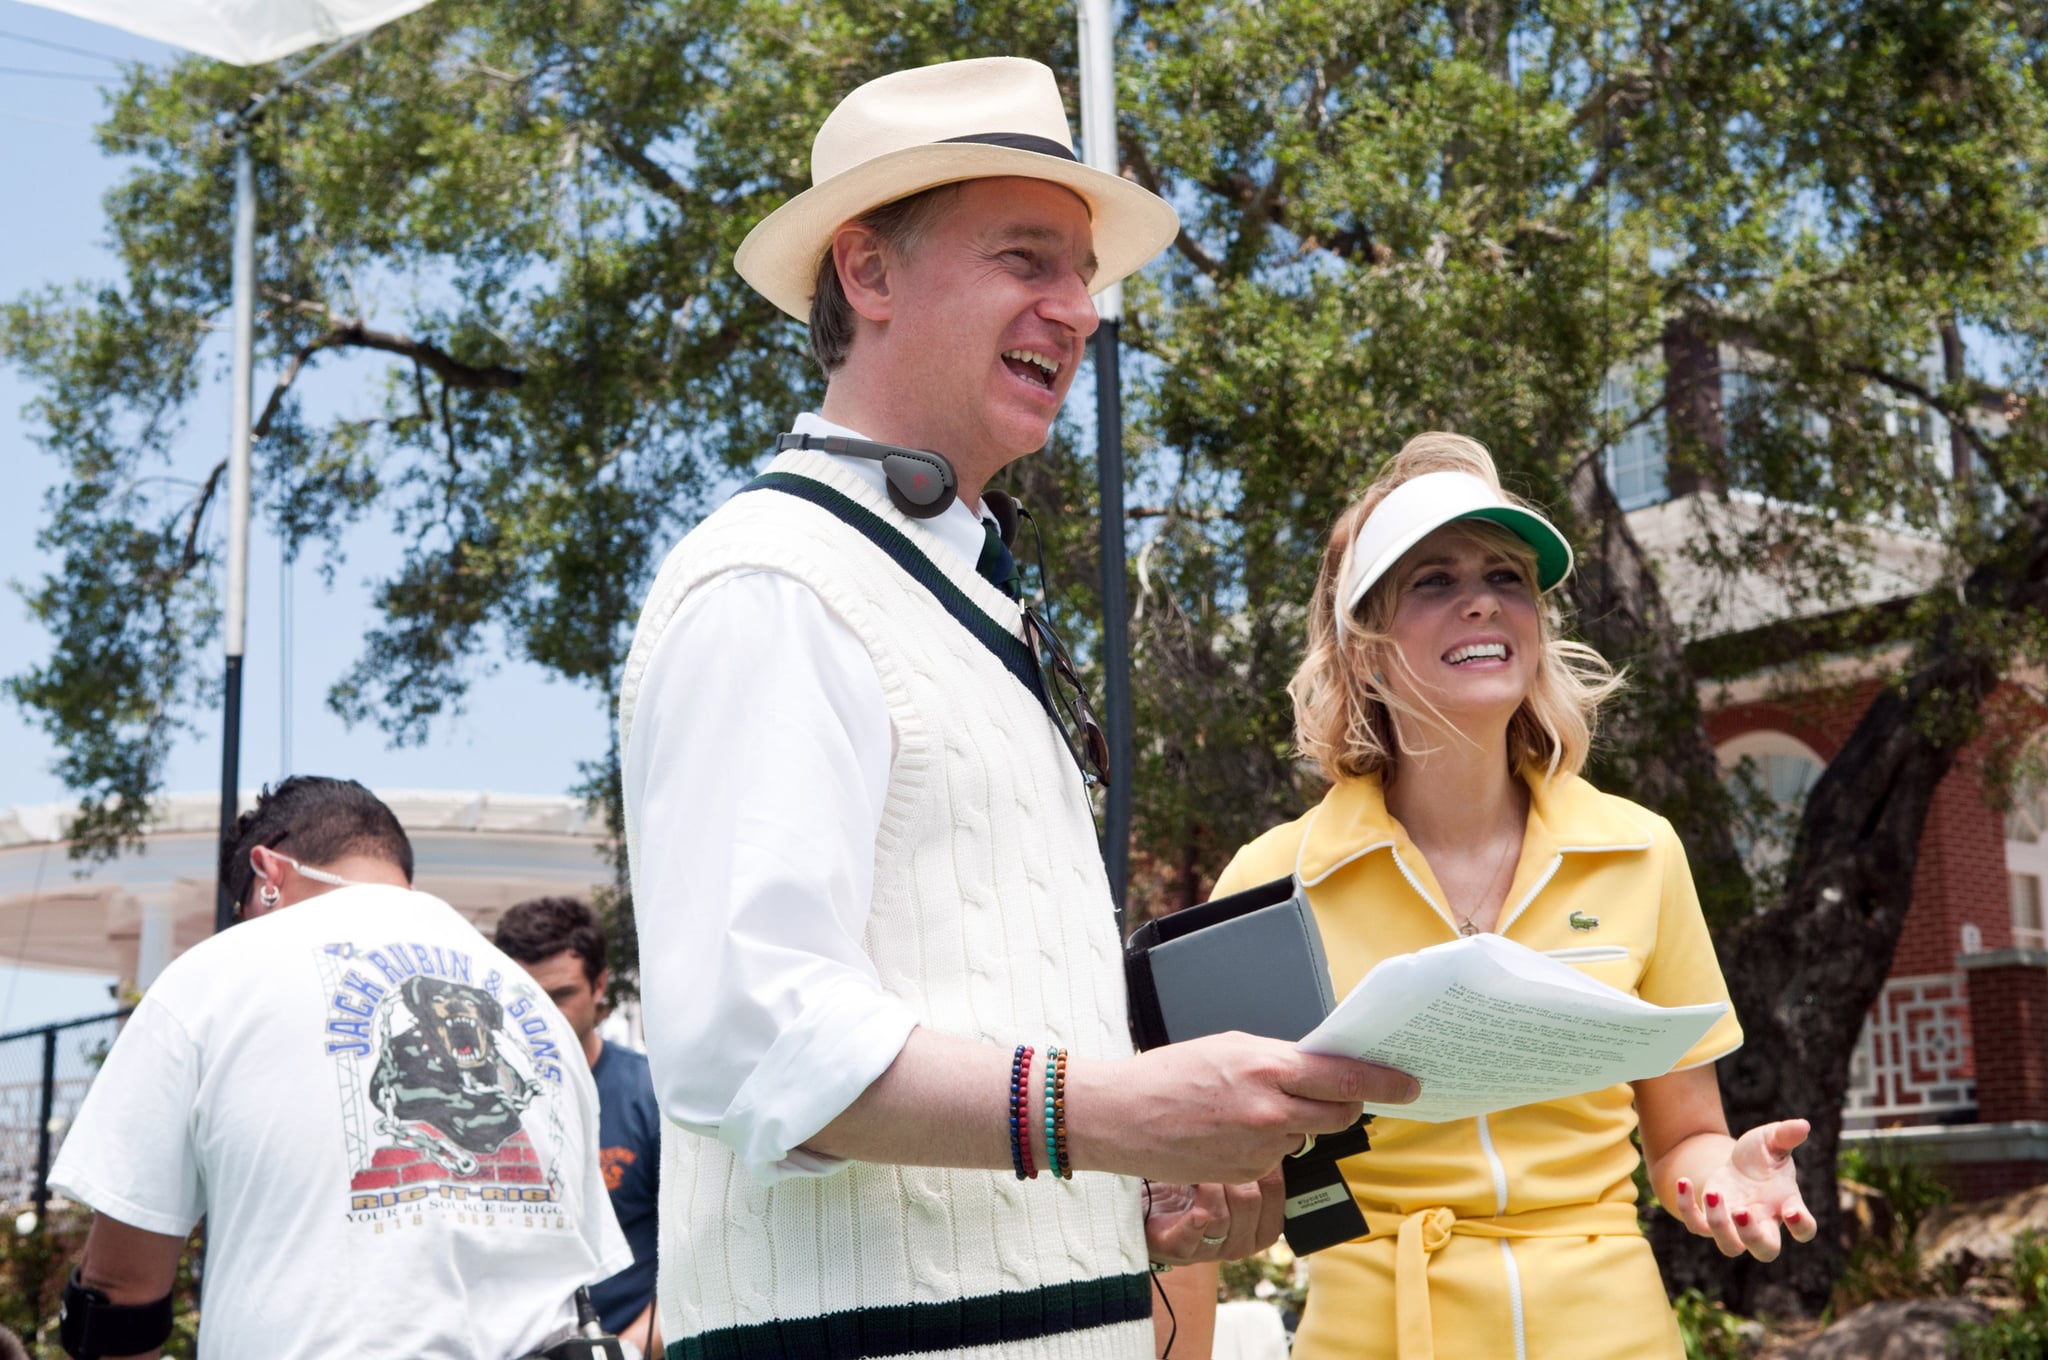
(1913, 1059)
(21, 1105)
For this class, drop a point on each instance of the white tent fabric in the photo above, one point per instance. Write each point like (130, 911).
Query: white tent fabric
(1249, 1329)
(245, 32)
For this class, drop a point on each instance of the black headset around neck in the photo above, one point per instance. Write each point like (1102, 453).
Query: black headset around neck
(921, 483)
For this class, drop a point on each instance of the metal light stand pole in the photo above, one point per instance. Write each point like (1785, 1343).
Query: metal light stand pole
(1098, 140)
(240, 434)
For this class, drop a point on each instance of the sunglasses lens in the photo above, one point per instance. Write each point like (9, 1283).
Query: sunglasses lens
(1064, 684)
(1098, 748)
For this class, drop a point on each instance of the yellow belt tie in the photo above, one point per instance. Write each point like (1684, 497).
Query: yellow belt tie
(1424, 1232)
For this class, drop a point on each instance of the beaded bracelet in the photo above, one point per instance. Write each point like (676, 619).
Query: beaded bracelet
(1059, 1110)
(1052, 1141)
(1024, 1117)
(1020, 1131)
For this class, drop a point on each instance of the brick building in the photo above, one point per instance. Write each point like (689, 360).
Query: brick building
(1952, 1067)
(1953, 1062)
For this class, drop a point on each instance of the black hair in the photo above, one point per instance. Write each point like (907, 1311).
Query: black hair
(542, 927)
(316, 820)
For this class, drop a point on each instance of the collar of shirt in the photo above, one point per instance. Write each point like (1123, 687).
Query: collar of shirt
(959, 528)
(1565, 813)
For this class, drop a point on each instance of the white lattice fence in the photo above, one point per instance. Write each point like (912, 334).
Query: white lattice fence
(74, 1051)
(1914, 1057)
(20, 1131)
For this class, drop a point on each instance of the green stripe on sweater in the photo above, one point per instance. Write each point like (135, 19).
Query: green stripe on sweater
(920, 1328)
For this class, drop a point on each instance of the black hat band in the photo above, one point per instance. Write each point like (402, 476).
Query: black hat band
(1018, 141)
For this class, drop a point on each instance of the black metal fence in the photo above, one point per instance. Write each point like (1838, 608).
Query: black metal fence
(44, 1074)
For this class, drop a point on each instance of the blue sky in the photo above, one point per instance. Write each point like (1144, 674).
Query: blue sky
(522, 733)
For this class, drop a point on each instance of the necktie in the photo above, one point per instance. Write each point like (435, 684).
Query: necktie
(995, 564)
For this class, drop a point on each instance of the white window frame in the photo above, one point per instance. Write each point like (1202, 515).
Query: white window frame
(2028, 857)
(1761, 745)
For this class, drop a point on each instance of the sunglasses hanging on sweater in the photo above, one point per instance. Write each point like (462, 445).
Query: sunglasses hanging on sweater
(922, 485)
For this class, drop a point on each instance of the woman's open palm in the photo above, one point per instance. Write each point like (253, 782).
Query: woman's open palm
(1742, 1204)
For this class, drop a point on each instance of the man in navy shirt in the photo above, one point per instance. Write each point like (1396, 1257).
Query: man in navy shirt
(560, 941)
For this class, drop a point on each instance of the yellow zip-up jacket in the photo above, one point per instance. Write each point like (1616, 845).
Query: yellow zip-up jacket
(1512, 1236)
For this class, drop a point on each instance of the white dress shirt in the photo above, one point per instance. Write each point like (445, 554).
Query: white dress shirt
(760, 755)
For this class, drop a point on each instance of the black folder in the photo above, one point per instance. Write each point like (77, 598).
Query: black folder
(1251, 962)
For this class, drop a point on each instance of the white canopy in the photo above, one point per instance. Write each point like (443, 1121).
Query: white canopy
(245, 32)
(478, 852)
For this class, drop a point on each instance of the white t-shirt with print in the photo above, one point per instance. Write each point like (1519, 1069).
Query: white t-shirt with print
(391, 1131)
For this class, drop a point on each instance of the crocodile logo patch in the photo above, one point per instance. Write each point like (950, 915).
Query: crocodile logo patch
(1580, 921)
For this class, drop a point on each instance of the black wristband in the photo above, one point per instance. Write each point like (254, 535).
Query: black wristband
(89, 1325)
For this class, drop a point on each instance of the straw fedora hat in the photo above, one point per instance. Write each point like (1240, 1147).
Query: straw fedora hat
(915, 130)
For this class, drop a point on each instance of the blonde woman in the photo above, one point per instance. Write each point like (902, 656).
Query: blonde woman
(1452, 722)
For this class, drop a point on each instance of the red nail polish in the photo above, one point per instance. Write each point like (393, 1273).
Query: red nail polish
(1684, 1186)
(1791, 1215)
(1741, 1219)
(1713, 1200)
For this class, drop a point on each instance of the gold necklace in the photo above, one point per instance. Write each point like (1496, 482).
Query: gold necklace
(1465, 926)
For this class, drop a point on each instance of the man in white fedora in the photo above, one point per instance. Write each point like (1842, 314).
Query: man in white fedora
(883, 990)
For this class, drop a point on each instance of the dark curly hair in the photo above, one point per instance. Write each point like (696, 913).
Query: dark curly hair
(542, 927)
(317, 820)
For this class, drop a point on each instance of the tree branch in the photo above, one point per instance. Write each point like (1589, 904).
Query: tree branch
(355, 334)
(1617, 99)
(1659, 745)
(503, 77)
(446, 367)
(650, 172)
(1958, 421)
(1583, 464)
(1188, 246)
(454, 454)
(284, 383)
(1259, 210)
(1626, 91)
(1204, 516)
(188, 557)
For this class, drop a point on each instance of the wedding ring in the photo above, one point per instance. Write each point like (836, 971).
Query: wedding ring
(1215, 1241)
(1308, 1140)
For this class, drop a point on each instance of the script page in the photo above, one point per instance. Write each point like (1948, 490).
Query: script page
(1485, 1024)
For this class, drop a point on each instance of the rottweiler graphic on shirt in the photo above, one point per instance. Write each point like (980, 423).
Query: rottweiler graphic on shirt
(451, 1085)
(446, 1073)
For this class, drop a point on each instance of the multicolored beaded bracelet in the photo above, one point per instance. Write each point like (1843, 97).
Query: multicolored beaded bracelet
(1059, 1111)
(1052, 1140)
(1020, 1131)
(1024, 1118)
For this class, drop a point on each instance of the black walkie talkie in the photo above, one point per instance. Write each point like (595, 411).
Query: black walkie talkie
(592, 1344)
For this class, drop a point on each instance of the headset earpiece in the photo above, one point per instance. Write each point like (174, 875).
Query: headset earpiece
(921, 483)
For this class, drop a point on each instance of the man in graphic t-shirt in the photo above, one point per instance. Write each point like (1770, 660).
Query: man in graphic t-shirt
(390, 1129)
(561, 942)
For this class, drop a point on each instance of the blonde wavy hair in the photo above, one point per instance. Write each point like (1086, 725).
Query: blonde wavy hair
(1344, 710)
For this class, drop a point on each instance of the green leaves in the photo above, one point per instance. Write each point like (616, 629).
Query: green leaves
(1410, 217)
(508, 228)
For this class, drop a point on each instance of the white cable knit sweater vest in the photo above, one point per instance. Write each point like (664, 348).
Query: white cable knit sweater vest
(991, 919)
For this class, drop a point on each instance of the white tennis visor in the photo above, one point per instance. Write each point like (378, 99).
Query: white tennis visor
(1420, 506)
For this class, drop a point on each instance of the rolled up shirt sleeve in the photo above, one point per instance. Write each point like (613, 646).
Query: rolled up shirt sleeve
(754, 782)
